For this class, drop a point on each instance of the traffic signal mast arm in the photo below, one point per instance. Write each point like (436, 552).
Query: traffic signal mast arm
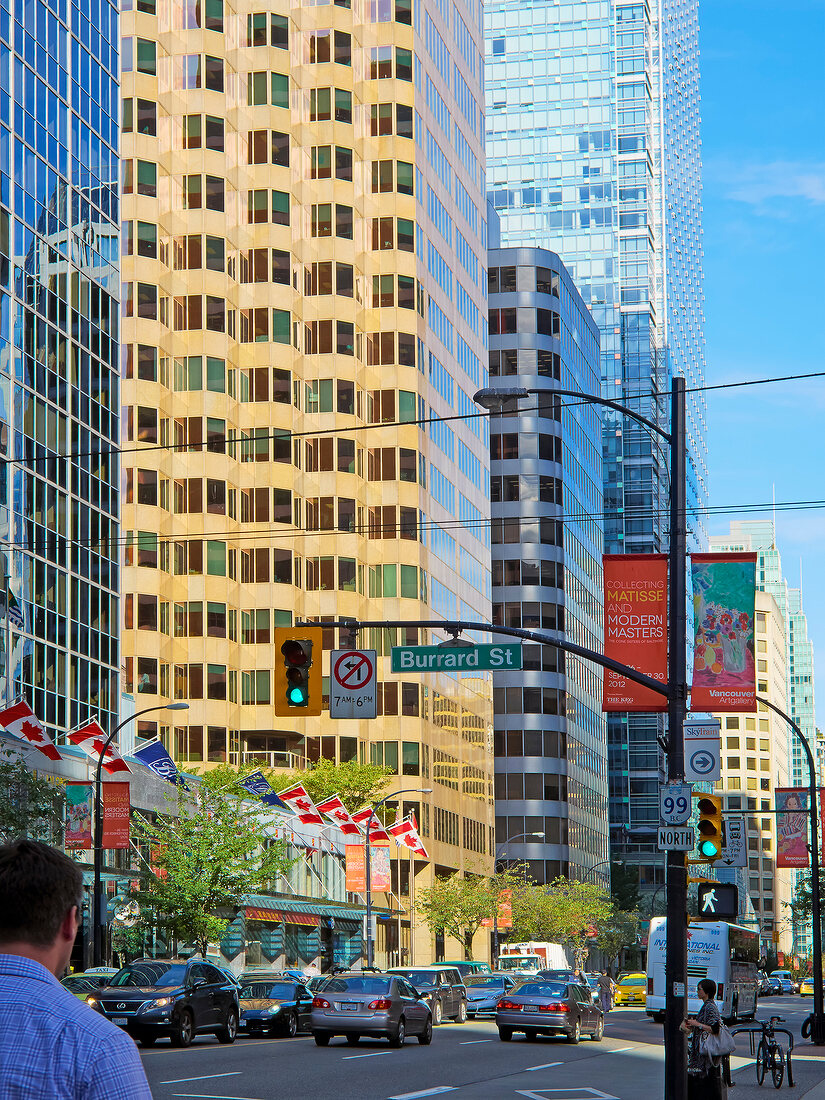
(456, 627)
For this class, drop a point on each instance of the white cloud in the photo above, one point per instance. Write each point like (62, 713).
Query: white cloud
(763, 185)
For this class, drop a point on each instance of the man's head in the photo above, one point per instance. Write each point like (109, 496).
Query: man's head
(40, 897)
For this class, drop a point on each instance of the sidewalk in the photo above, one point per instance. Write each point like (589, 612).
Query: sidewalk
(808, 1075)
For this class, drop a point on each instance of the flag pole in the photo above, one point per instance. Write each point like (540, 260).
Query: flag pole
(6, 579)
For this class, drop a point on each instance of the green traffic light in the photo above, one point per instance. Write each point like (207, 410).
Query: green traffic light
(708, 849)
(297, 696)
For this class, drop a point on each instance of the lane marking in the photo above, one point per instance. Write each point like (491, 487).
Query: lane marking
(437, 1091)
(474, 1042)
(207, 1077)
(212, 1096)
(547, 1065)
(619, 1050)
(375, 1054)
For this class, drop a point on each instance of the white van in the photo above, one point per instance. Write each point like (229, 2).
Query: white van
(727, 953)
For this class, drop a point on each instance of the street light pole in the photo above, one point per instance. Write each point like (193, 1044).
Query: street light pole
(97, 895)
(499, 850)
(817, 1017)
(368, 866)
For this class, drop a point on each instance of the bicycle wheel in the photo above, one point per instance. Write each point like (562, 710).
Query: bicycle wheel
(777, 1067)
(761, 1061)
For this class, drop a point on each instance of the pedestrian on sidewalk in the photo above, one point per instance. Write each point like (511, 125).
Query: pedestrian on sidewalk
(704, 1078)
(607, 989)
(52, 1046)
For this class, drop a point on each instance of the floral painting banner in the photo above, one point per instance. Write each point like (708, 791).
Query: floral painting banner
(724, 606)
(791, 827)
(78, 815)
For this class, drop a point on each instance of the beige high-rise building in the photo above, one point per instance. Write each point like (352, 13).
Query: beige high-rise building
(755, 762)
(304, 325)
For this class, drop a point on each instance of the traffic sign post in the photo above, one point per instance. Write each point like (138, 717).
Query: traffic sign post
(703, 750)
(676, 838)
(675, 803)
(353, 691)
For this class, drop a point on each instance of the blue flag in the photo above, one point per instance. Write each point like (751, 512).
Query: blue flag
(155, 757)
(257, 783)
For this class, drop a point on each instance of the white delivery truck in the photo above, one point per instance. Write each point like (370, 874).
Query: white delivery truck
(529, 958)
(725, 952)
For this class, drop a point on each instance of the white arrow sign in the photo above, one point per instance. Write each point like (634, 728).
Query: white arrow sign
(703, 751)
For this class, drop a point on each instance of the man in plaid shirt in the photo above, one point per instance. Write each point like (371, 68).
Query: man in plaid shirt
(51, 1044)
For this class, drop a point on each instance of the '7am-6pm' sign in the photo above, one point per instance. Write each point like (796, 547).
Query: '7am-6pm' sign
(433, 658)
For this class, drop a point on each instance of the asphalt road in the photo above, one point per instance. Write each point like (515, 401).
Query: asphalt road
(465, 1062)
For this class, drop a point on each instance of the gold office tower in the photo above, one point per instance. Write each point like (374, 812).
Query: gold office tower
(304, 324)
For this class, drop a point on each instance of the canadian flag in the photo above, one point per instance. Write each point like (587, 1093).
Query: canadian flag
(91, 739)
(406, 833)
(335, 810)
(377, 830)
(19, 720)
(298, 800)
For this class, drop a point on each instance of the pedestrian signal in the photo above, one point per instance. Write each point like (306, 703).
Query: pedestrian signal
(298, 687)
(709, 826)
(718, 901)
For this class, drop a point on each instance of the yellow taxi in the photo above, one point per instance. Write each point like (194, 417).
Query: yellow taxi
(806, 987)
(631, 989)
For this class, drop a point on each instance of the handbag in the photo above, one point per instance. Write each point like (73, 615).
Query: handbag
(719, 1046)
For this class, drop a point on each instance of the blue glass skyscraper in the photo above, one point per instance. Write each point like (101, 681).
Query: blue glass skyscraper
(594, 152)
(59, 354)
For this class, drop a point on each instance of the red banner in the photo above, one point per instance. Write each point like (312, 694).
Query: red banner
(635, 628)
(505, 909)
(115, 815)
(792, 814)
(379, 868)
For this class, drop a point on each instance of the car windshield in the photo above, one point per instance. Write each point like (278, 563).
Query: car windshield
(75, 981)
(280, 991)
(420, 977)
(592, 982)
(139, 974)
(356, 985)
(482, 983)
(541, 989)
(556, 975)
(632, 981)
(518, 962)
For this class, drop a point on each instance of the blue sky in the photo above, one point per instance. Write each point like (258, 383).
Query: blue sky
(763, 91)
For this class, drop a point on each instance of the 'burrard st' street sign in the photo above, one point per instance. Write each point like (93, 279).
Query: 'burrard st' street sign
(471, 658)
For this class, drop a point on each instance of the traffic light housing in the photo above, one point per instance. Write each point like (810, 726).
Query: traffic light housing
(709, 827)
(298, 689)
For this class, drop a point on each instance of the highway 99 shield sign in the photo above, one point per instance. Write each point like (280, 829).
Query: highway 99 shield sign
(352, 683)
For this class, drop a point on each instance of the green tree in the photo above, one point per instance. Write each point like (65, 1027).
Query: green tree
(617, 933)
(30, 806)
(208, 852)
(563, 911)
(356, 783)
(457, 905)
(624, 886)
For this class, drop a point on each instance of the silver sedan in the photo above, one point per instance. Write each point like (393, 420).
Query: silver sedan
(541, 1007)
(376, 1005)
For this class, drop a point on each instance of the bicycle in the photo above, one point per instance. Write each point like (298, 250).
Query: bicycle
(770, 1056)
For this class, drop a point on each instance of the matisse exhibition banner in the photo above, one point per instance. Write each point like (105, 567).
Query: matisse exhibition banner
(791, 826)
(78, 815)
(635, 628)
(116, 810)
(724, 608)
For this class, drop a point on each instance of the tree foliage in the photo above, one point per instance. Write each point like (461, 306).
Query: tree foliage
(563, 911)
(457, 905)
(801, 904)
(624, 887)
(30, 806)
(357, 784)
(207, 853)
(617, 933)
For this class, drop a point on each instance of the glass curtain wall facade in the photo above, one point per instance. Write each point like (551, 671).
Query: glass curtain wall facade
(593, 151)
(546, 486)
(59, 358)
(304, 234)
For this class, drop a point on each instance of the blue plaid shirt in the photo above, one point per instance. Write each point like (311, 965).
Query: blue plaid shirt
(54, 1046)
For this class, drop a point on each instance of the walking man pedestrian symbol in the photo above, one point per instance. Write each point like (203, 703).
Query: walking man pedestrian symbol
(709, 902)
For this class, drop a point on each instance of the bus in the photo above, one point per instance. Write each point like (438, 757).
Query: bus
(725, 952)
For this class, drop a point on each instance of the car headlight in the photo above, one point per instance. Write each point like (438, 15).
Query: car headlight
(274, 1010)
(91, 1001)
(161, 1002)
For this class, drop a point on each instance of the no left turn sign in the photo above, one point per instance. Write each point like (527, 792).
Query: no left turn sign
(353, 691)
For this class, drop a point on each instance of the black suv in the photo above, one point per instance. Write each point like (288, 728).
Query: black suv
(151, 998)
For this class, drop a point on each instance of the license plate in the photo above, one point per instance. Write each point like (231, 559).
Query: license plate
(530, 1008)
(120, 1020)
(348, 1006)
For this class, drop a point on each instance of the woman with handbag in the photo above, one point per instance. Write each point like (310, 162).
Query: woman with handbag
(704, 1077)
